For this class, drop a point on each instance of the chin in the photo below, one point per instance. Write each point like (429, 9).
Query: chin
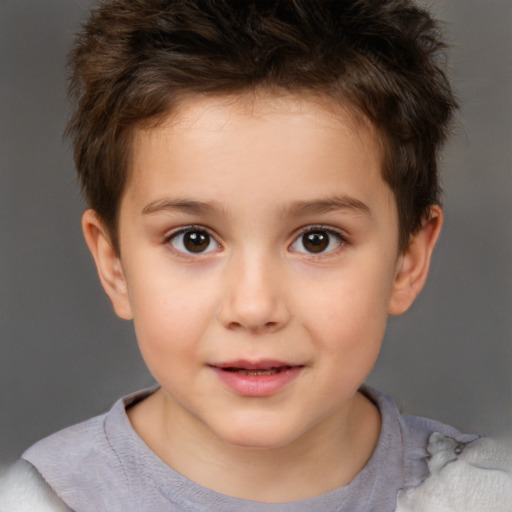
(267, 426)
(258, 435)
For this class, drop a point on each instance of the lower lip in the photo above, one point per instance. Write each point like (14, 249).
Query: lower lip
(258, 385)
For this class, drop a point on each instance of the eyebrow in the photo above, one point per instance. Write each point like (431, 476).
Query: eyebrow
(326, 205)
(180, 205)
(296, 209)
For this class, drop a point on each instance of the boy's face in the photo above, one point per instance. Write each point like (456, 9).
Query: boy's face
(259, 262)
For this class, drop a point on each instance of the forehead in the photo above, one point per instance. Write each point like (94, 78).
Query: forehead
(213, 112)
(300, 145)
(202, 117)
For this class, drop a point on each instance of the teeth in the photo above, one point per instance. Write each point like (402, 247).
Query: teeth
(259, 372)
(242, 371)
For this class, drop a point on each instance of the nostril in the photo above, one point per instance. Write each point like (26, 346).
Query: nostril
(235, 326)
(268, 326)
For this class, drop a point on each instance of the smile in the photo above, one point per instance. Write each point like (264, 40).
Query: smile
(256, 379)
(268, 371)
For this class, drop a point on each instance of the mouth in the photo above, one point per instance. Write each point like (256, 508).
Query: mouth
(255, 368)
(261, 378)
(267, 371)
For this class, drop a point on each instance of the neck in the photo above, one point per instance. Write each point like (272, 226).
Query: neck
(327, 456)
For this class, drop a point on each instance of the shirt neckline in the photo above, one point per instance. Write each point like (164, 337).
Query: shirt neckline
(143, 467)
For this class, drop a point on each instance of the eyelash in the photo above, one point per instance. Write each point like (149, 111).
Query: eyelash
(168, 240)
(331, 232)
(341, 240)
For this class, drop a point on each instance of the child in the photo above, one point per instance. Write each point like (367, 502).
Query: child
(263, 192)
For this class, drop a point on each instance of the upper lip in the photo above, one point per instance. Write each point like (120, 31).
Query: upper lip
(263, 364)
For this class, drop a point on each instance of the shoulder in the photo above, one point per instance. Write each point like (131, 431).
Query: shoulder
(409, 435)
(72, 459)
(416, 432)
(445, 470)
(84, 463)
(70, 444)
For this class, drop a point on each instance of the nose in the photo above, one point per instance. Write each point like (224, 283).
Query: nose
(254, 298)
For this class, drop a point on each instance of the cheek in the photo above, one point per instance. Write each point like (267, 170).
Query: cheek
(353, 303)
(349, 338)
(348, 314)
(168, 337)
(170, 319)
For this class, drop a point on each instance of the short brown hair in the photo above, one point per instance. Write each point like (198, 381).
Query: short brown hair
(134, 59)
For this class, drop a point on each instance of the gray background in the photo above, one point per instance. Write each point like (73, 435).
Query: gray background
(64, 356)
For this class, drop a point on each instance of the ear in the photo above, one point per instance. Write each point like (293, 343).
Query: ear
(108, 263)
(413, 264)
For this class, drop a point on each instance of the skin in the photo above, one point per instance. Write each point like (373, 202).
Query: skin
(252, 173)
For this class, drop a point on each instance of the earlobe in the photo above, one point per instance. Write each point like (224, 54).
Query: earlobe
(108, 263)
(414, 263)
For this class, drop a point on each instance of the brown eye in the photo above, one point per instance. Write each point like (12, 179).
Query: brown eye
(194, 241)
(317, 241)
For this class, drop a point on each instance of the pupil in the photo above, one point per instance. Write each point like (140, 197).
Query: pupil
(315, 242)
(196, 241)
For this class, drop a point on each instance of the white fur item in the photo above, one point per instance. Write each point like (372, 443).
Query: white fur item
(22, 489)
(473, 477)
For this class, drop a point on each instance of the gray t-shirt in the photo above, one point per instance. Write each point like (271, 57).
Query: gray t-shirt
(103, 465)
